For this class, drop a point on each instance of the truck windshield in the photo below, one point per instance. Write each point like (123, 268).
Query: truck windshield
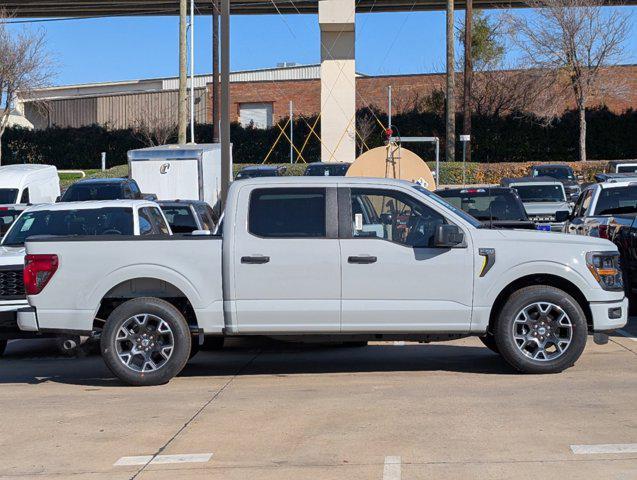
(486, 205)
(7, 217)
(617, 200)
(441, 201)
(627, 168)
(90, 221)
(560, 173)
(541, 193)
(81, 193)
(8, 195)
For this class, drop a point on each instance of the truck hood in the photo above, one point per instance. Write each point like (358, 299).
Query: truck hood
(521, 237)
(11, 255)
(539, 208)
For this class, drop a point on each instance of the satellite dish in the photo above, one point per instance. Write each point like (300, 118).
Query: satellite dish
(393, 162)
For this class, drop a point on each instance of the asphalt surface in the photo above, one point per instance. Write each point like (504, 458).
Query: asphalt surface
(265, 410)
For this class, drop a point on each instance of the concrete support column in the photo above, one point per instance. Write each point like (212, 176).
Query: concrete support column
(338, 80)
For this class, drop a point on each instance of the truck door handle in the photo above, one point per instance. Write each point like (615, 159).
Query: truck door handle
(255, 260)
(362, 259)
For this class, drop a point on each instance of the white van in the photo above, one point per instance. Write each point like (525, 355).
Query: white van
(28, 184)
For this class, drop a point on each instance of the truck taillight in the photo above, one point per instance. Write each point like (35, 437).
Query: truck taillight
(38, 270)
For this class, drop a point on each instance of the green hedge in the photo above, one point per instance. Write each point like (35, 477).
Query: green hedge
(511, 138)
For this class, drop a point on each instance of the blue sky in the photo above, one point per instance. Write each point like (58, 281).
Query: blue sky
(96, 50)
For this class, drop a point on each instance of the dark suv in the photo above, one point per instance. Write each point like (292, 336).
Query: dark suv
(103, 189)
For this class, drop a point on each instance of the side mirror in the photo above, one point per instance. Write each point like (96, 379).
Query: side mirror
(199, 233)
(561, 216)
(448, 236)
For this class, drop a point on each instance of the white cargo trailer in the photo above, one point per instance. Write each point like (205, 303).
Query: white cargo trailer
(178, 172)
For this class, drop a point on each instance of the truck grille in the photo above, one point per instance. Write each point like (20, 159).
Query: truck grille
(11, 284)
(542, 218)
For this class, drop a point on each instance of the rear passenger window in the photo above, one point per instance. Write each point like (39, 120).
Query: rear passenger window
(287, 213)
(145, 222)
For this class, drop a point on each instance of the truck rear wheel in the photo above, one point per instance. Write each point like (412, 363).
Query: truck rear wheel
(541, 329)
(146, 341)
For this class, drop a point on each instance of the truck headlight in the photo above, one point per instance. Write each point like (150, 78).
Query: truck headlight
(605, 268)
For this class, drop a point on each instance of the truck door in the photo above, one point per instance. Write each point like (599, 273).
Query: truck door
(286, 261)
(393, 277)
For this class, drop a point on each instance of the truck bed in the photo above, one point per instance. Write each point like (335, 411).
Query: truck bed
(92, 266)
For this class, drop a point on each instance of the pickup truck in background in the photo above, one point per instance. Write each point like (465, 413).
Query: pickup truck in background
(562, 173)
(544, 200)
(323, 257)
(101, 218)
(104, 189)
(495, 207)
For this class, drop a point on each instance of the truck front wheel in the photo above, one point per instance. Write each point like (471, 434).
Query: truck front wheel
(146, 341)
(541, 329)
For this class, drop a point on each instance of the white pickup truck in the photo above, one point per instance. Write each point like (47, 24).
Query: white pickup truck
(324, 257)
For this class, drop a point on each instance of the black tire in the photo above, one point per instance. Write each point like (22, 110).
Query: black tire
(3, 347)
(179, 334)
(213, 343)
(489, 341)
(528, 296)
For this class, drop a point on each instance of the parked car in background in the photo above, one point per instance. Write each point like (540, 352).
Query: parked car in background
(615, 177)
(8, 215)
(544, 200)
(599, 204)
(28, 184)
(73, 219)
(187, 216)
(327, 169)
(103, 189)
(621, 166)
(402, 264)
(261, 171)
(563, 173)
(495, 207)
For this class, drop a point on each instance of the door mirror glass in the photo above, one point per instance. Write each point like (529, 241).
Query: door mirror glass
(448, 236)
(561, 216)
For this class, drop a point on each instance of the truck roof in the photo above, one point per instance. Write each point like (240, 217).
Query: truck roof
(93, 204)
(11, 176)
(310, 181)
(104, 181)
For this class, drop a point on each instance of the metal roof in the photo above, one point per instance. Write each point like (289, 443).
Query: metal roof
(85, 8)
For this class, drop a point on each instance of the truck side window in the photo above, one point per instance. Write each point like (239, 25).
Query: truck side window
(206, 219)
(145, 222)
(393, 216)
(25, 196)
(157, 220)
(287, 212)
(135, 190)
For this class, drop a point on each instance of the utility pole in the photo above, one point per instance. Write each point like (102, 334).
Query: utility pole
(182, 106)
(226, 159)
(192, 71)
(451, 80)
(468, 74)
(215, 71)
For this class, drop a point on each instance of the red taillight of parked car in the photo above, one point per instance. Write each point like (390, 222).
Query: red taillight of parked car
(38, 270)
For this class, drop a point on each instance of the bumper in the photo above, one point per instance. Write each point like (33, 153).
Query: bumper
(27, 320)
(14, 324)
(609, 315)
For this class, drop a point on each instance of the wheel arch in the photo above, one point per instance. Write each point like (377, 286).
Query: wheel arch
(540, 279)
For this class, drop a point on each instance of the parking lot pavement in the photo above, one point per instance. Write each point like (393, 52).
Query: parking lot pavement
(272, 411)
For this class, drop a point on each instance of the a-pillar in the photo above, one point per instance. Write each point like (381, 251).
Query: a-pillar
(338, 80)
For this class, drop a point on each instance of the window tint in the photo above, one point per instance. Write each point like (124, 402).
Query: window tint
(394, 216)
(617, 200)
(485, 204)
(145, 222)
(94, 221)
(25, 196)
(294, 212)
(159, 224)
(7, 217)
(135, 189)
(8, 195)
(181, 218)
(81, 193)
(205, 217)
(541, 193)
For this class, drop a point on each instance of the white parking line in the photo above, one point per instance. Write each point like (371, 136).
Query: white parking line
(604, 448)
(163, 459)
(627, 335)
(391, 471)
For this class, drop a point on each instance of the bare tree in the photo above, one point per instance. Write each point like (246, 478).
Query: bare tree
(365, 126)
(24, 66)
(568, 44)
(155, 128)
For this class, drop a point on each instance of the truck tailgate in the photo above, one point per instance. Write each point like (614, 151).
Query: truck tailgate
(90, 267)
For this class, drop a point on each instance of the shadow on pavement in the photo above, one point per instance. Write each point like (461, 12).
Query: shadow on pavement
(270, 358)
